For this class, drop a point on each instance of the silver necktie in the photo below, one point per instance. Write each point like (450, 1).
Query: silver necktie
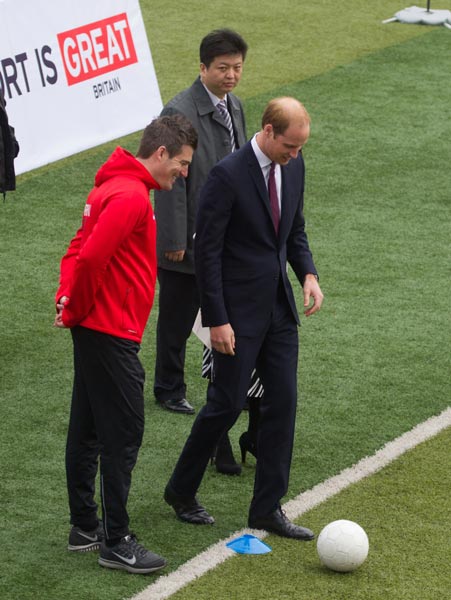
(222, 108)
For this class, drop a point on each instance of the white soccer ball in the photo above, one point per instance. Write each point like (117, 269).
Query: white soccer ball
(342, 545)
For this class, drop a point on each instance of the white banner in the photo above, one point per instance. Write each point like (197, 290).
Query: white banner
(74, 74)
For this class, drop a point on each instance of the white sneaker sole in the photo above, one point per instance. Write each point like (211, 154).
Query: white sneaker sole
(112, 564)
(88, 548)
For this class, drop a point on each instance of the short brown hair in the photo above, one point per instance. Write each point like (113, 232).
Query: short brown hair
(172, 132)
(277, 115)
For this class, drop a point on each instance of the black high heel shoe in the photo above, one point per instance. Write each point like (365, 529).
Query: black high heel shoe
(247, 444)
(223, 457)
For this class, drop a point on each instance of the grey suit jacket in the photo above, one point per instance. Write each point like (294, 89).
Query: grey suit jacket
(175, 211)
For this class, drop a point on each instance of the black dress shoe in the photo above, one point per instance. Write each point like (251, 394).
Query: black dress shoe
(278, 523)
(187, 508)
(180, 405)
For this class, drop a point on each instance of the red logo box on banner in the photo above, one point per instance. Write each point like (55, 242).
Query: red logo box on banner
(97, 48)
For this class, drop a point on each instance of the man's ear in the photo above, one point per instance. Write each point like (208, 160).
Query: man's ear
(160, 152)
(268, 130)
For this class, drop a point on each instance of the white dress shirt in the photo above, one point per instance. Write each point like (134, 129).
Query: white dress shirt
(214, 99)
(265, 165)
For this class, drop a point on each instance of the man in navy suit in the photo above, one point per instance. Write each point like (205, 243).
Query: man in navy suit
(250, 224)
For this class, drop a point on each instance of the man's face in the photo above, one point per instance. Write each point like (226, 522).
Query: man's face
(283, 147)
(174, 167)
(223, 74)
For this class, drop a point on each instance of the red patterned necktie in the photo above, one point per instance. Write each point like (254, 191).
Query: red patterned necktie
(273, 198)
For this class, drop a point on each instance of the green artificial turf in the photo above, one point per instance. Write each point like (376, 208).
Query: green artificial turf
(405, 512)
(373, 363)
(288, 41)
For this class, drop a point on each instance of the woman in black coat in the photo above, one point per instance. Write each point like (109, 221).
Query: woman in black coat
(9, 149)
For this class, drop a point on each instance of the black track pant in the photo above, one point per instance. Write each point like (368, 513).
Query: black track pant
(106, 422)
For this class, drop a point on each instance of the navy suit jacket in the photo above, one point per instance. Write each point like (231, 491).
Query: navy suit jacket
(239, 258)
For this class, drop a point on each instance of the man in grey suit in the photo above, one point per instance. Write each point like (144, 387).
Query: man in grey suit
(222, 55)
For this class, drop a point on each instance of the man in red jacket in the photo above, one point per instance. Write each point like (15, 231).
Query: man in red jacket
(106, 291)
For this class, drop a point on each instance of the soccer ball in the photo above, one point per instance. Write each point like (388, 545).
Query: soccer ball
(342, 546)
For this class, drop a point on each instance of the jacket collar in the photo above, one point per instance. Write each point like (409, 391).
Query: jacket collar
(259, 180)
(203, 100)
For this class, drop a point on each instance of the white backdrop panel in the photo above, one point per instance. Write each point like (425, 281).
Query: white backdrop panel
(74, 75)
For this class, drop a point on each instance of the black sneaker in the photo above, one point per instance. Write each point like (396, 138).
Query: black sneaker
(130, 556)
(85, 541)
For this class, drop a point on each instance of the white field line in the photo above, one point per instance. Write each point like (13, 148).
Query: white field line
(167, 585)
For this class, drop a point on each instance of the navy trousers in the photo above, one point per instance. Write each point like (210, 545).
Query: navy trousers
(106, 423)
(274, 353)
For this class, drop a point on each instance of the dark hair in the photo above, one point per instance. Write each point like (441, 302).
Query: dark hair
(220, 42)
(172, 132)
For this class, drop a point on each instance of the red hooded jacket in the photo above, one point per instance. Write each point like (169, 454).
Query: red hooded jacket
(109, 270)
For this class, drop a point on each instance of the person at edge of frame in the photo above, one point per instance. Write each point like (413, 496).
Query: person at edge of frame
(9, 149)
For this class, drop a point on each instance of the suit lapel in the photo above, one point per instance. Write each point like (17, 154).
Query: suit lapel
(259, 181)
(257, 176)
(235, 113)
(204, 103)
(218, 118)
(205, 106)
(285, 205)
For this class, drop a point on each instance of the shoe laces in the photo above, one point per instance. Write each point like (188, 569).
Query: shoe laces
(283, 514)
(132, 547)
(289, 523)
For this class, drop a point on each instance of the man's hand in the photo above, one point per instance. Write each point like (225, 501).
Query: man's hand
(175, 256)
(312, 290)
(223, 339)
(58, 322)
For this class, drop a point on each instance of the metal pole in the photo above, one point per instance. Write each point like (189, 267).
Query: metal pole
(429, 6)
